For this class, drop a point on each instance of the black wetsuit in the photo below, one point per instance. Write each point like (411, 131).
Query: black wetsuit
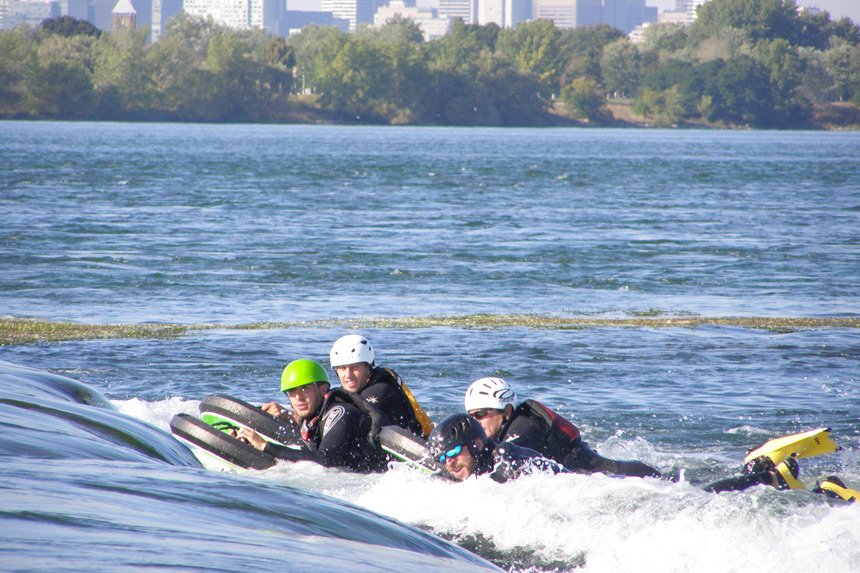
(506, 461)
(741, 482)
(384, 391)
(534, 426)
(340, 434)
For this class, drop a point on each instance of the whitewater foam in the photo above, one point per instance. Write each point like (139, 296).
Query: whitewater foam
(589, 522)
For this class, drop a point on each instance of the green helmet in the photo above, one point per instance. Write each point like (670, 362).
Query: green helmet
(302, 372)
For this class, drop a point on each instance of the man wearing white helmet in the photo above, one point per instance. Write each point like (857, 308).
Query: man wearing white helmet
(353, 359)
(492, 402)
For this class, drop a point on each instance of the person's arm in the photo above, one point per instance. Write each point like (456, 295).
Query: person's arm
(582, 459)
(512, 461)
(278, 411)
(338, 428)
(279, 451)
(741, 482)
(292, 455)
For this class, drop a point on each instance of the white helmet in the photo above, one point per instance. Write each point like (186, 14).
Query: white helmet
(489, 393)
(351, 349)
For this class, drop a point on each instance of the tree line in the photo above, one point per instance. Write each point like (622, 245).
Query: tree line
(756, 63)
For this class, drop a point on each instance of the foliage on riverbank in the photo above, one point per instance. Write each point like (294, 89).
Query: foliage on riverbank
(15, 331)
(743, 63)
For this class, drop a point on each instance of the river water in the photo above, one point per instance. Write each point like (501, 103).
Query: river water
(226, 225)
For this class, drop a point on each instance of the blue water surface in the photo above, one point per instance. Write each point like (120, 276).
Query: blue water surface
(230, 225)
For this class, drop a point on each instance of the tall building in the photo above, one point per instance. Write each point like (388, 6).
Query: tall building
(356, 11)
(162, 11)
(568, 13)
(16, 12)
(638, 13)
(691, 9)
(561, 12)
(238, 13)
(294, 20)
(491, 12)
(517, 11)
(431, 25)
(124, 16)
(465, 9)
(615, 14)
(589, 12)
(75, 8)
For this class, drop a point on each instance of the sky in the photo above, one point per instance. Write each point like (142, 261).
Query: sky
(837, 8)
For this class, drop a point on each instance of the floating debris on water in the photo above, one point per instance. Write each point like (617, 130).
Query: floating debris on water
(15, 330)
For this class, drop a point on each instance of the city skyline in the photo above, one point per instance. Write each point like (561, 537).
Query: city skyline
(626, 15)
(837, 8)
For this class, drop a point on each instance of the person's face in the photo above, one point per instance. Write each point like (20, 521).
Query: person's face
(461, 464)
(307, 399)
(491, 420)
(354, 377)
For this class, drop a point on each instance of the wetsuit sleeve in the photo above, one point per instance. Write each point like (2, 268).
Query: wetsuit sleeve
(582, 459)
(339, 427)
(511, 461)
(739, 483)
(303, 454)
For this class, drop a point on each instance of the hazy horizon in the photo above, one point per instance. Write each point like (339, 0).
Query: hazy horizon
(837, 8)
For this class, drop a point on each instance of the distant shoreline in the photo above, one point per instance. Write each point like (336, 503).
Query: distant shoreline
(826, 118)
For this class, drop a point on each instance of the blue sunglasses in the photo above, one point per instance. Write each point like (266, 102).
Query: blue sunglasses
(450, 454)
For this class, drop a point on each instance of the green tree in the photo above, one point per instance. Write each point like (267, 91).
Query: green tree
(66, 26)
(815, 82)
(665, 38)
(403, 71)
(724, 44)
(782, 60)
(535, 47)
(739, 93)
(815, 29)
(583, 99)
(122, 77)
(17, 62)
(463, 46)
(842, 62)
(179, 80)
(761, 19)
(278, 59)
(620, 67)
(582, 49)
(307, 44)
(348, 73)
(234, 78)
(679, 75)
(665, 107)
(60, 84)
(451, 98)
(512, 97)
(453, 95)
(396, 30)
(845, 29)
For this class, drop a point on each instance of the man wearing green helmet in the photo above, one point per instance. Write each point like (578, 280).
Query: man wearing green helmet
(338, 427)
